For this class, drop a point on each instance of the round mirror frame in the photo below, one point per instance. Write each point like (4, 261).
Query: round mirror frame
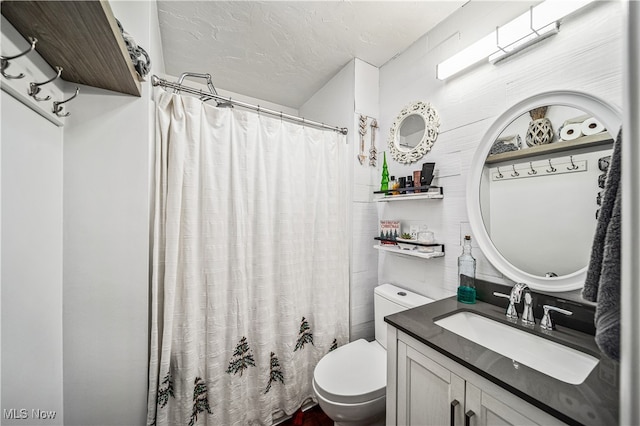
(431, 130)
(608, 115)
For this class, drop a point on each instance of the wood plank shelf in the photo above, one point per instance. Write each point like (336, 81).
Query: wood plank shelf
(415, 243)
(80, 36)
(599, 139)
(427, 192)
(414, 253)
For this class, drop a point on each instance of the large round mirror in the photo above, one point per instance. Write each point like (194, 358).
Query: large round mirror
(535, 185)
(413, 132)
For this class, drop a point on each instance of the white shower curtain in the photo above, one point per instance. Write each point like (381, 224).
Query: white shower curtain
(250, 263)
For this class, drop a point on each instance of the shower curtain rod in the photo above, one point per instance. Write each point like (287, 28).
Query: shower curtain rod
(205, 96)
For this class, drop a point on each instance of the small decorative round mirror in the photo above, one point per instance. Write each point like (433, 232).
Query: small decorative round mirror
(413, 132)
(535, 185)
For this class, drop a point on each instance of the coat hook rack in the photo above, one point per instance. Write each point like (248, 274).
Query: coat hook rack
(57, 109)
(551, 169)
(4, 60)
(34, 88)
(573, 166)
(532, 171)
(499, 175)
(515, 172)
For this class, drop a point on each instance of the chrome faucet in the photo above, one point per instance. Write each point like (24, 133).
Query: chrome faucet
(514, 298)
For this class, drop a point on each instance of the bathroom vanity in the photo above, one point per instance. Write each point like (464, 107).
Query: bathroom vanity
(437, 377)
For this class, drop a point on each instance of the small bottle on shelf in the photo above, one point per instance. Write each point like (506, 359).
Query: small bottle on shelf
(402, 183)
(466, 273)
(393, 185)
(409, 184)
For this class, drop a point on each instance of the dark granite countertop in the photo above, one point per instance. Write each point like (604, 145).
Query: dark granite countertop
(594, 402)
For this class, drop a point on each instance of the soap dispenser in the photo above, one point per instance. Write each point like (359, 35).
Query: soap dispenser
(466, 273)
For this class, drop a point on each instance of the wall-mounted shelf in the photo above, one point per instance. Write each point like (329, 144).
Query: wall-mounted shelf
(603, 138)
(80, 36)
(427, 192)
(392, 248)
(414, 253)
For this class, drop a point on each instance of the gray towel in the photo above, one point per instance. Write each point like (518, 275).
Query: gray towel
(602, 284)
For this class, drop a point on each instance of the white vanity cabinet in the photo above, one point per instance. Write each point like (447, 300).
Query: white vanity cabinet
(425, 388)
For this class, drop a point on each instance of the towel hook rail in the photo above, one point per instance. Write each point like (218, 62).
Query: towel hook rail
(57, 109)
(551, 169)
(499, 175)
(34, 88)
(532, 171)
(515, 172)
(4, 60)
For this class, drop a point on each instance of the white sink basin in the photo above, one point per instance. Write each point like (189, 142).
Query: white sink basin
(551, 358)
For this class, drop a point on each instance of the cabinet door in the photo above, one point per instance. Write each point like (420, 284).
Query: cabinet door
(428, 394)
(482, 409)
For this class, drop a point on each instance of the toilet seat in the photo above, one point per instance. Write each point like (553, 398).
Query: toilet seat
(353, 373)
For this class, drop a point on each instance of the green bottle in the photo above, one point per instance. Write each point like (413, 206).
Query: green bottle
(384, 185)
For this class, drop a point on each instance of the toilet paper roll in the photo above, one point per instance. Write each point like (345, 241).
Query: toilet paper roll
(569, 132)
(591, 126)
(580, 119)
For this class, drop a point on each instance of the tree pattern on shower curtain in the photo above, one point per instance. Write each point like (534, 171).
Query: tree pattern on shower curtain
(165, 391)
(242, 358)
(334, 345)
(304, 335)
(200, 400)
(275, 372)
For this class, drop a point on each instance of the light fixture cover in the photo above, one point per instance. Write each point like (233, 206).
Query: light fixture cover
(532, 26)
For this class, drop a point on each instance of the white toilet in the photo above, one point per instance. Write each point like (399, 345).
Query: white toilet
(350, 382)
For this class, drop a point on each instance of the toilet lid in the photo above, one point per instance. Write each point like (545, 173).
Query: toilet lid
(356, 372)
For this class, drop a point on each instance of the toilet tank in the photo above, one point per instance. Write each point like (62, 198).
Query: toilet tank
(389, 299)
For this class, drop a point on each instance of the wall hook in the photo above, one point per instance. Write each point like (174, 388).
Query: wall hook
(515, 172)
(4, 60)
(34, 88)
(533, 171)
(57, 109)
(551, 169)
(500, 175)
(573, 166)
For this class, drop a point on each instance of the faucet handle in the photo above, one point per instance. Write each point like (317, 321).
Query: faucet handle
(527, 311)
(546, 323)
(511, 309)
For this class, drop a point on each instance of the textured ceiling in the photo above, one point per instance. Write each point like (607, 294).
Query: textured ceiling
(285, 51)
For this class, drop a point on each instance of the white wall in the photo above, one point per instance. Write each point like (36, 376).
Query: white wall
(586, 55)
(106, 221)
(31, 265)
(351, 92)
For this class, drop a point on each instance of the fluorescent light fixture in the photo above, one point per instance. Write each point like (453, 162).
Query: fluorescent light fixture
(526, 41)
(536, 24)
